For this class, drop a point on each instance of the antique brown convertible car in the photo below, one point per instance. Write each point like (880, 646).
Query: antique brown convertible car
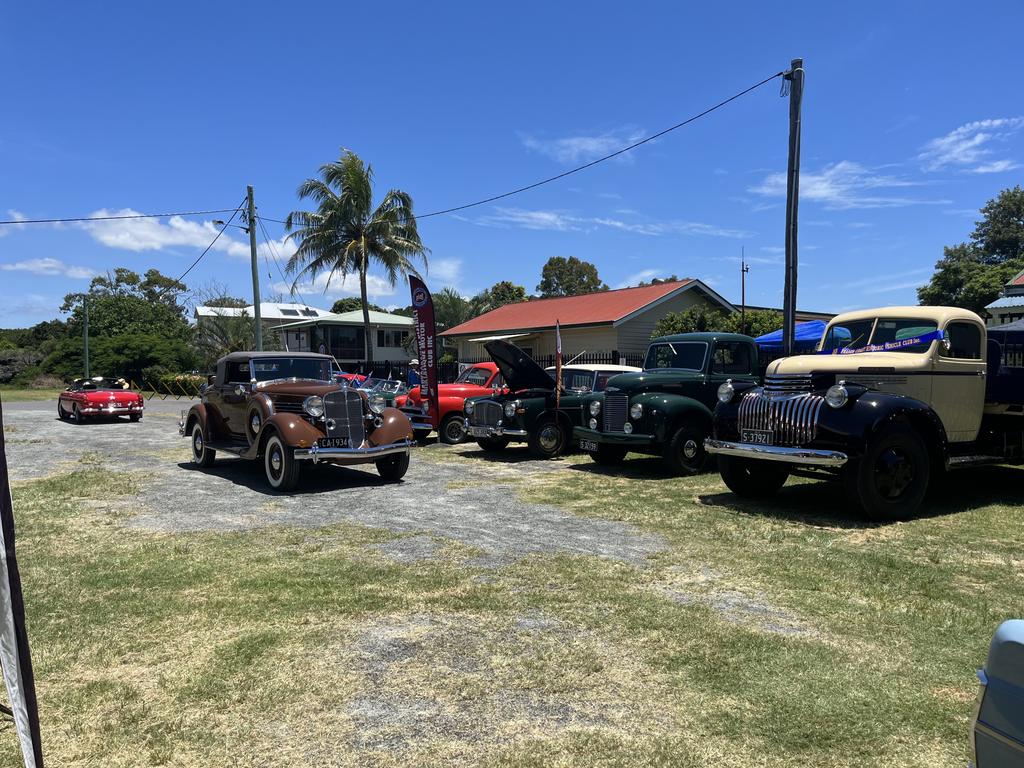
(285, 408)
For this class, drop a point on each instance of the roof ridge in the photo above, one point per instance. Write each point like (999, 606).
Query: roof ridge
(596, 293)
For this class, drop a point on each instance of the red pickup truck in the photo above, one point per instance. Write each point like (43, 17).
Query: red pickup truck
(479, 379)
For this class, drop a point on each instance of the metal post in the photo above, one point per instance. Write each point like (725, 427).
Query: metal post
(258, 319)
(85, 333)
(744, 268)
(795, 76)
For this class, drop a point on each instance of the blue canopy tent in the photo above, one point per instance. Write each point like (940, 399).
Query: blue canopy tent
(806, 337)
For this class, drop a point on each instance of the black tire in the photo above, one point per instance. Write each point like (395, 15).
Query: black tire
(61, 413)
(890, 481)
(493, 444)
(422, 437)
(279, 464)
(135, 417)
(547, 439)
(202, 455)
(608, 455)
(750, 478)
(685, 454)
(453, 430)
(76, 414)
(393, 468)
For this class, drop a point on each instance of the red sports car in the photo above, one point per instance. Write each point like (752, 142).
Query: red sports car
(87, 398)
(479, 379)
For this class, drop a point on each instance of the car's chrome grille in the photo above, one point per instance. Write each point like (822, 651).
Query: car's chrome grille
(787, 383)
(344, 412)
(615, 409)
(486, 413)
(791, 420)
(288, 405)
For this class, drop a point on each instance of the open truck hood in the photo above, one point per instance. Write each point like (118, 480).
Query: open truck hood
(518, 368)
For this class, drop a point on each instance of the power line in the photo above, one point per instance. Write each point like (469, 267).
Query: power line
(592, 163)
(112, 218)
(206, 250)
(273, 252)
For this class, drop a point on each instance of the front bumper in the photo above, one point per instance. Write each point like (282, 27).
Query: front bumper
(420, 421)
(483, 430)
(612, 438)
(317, 454)
(119, 410)
(808, 456)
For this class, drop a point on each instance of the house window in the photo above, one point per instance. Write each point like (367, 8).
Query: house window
(391, 338)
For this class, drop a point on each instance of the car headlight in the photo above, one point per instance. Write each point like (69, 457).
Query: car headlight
(377, 403)
(470, 407)
(837, 395)
(627, 428)
(595, 407)
(314, 406)
(255, 422)
(726, 392)
(593, 424)
(510, 408)
(636, 411)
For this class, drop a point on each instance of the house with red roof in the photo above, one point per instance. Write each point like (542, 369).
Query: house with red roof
(609, 321)
(1010, 306)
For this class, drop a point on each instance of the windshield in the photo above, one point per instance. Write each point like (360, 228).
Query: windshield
(862, 333)
(104, 384)
(382, 385)
(270, 368)
(478, 376)
(576, 381)
(686, 355)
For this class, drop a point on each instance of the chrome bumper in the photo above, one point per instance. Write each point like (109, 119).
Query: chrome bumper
(479, 430)
(120, 410)
(317, 453)
(809, 456)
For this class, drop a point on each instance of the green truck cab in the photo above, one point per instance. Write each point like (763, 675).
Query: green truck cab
(665, 410)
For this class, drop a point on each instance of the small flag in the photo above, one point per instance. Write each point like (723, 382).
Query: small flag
(558, 364)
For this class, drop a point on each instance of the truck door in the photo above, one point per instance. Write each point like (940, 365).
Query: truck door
(730, 360)
(958, 386)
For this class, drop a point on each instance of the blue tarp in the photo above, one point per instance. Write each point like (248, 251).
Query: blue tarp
(807, 336)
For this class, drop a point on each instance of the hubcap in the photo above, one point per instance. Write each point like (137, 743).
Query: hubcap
(894, 473)
(454, 430)
(197, 442)
(549, 438)
(690, 449)
(275, 460)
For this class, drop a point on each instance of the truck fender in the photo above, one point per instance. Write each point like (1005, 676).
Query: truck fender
(883, 409)
(395, 427)
(294, 431)
(262, 404)
(198, 414)
(672, 410)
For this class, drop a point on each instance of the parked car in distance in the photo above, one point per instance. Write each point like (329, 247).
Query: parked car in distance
(99, 397)
(384, 389)
(665, 410)
(478, 379)
(527, 412)
(284, 408)
(895, 398)
(997, 729)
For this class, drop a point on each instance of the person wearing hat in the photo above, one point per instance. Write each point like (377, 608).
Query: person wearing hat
(413, 378)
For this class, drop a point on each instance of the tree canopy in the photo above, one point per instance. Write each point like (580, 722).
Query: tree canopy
(570, 276)
(972, 274)
(703, 317)
(351, 304)
(498, 295)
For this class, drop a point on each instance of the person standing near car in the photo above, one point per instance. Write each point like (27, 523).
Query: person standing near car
(413, 377)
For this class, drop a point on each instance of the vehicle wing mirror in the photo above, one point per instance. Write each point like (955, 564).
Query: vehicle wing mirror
(240, 390)
(211, 379)
(947, 345)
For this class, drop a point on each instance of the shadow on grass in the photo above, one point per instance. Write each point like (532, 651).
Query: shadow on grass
(319, 478)
(634, 467)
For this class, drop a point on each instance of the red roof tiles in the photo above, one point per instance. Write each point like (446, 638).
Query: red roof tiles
(588, 309)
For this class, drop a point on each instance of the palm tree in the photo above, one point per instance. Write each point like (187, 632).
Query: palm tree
(345, 234)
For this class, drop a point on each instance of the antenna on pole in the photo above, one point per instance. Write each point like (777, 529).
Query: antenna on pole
(744, 268)
(795, 78)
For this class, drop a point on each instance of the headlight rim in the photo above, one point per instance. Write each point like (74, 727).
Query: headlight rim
(636, 411)
(377, 404)
(838, 395)
(310, 405)
(510, 408)
(594, 407)
(468, 407)
(726, 392)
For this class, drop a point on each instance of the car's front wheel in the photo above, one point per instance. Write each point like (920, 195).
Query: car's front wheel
(452, 431)
(202, 454)
(547, 440)
(891, 479)
(685, 454)
(280, 465)
(393, 468)
(135, 417)
(61, 413)
(750, 478)
(76, 414)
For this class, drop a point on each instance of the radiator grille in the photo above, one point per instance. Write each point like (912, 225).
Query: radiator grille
(284, 404)
(787, 384)
(344, 412)
(615, 408)
(792, 420)
(486, 413)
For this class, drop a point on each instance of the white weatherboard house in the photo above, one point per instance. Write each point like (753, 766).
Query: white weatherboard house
(1010, 306)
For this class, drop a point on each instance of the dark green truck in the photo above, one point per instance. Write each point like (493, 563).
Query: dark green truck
(665, 410)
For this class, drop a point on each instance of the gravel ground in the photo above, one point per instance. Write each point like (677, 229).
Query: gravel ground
(465, 501)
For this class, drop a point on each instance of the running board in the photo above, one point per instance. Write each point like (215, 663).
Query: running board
(959, 462)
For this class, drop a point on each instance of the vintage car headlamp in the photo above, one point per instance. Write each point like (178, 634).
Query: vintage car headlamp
(510, 408)
(255, 422)
(595, 407)
(627, 428)
(469, 407)
(377, 403)
(593, 424)
(314, 406)
(726, 392)
(837, 395)
(636, 411)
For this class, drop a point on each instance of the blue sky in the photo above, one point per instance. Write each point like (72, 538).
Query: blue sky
(912, 120)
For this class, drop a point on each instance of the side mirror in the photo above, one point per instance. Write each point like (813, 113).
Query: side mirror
(211, 379)
(947, 345)
(240, 390)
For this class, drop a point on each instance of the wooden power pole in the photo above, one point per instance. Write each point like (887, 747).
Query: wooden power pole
(258, 319)
(85, 333)
(795, 77)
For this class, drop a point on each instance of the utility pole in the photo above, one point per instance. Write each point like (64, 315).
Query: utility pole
(255, 270)
(85, 333)
(795, 77)
(744, 268)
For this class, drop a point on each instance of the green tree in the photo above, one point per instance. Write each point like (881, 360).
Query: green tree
(351, 304)
(125, 303)
(226, 301)
(569, 277)
(972, 274)
(498, 295)
(658, 281)
(346, 234)
(450, 309)
(702, 317)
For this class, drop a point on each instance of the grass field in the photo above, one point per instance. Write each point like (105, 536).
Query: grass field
(20, 394)
(779, 635)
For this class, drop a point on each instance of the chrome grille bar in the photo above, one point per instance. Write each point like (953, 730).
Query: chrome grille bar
(486, 413)
(345, 410)
(792, 420)
(614, 412)
(788, 384)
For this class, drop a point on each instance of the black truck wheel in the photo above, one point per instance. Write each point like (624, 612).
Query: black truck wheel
(890, 480)
(608, 455)
(280, 465)
(685, 454)
(452, 431)
(202, 455)
(393, 468)
(422, 437)
(547, 439)
(750, 478)
(493, 444)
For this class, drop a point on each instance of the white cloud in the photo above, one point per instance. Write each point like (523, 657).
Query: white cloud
(887, 282)
(333, 288)
(970, 144)
(49, 268)
(155, 235)
(14, 216)
(583, 148)
(773, 249)
(644, 275)
(32, 305)
(562, 221)
(844, 185)
(445, 271)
